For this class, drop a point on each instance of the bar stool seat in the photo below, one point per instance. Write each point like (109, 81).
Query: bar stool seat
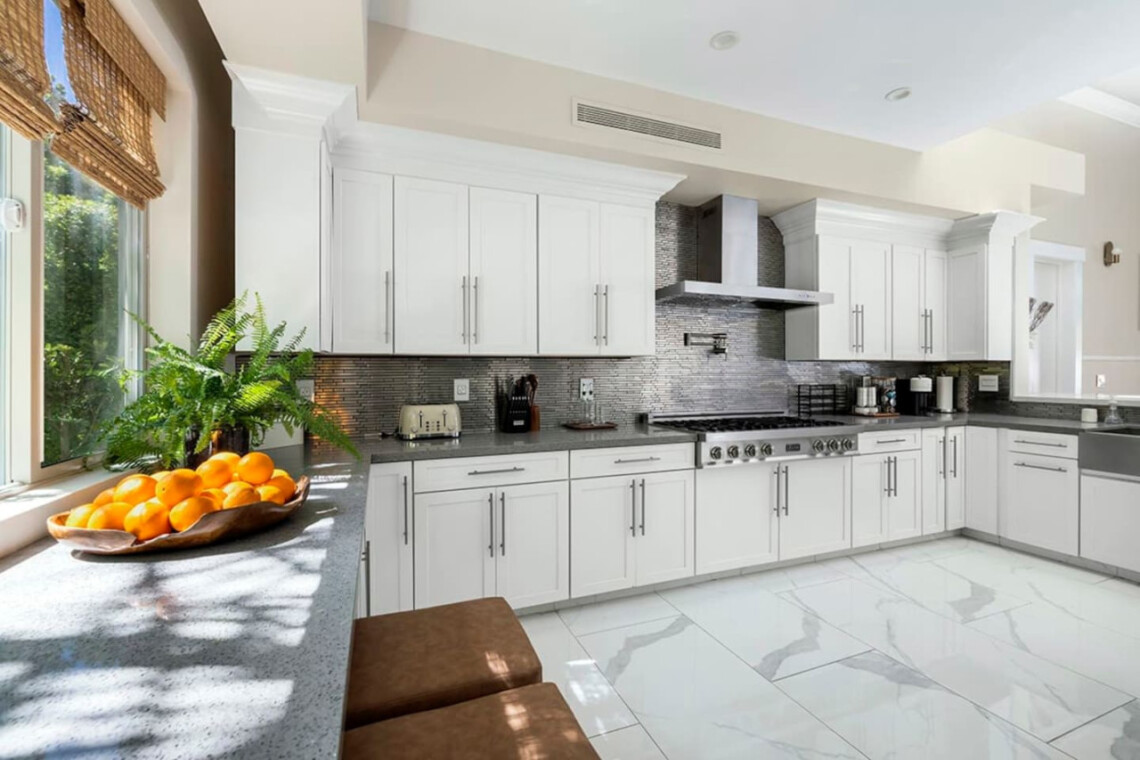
(407, 662)
(529, 722)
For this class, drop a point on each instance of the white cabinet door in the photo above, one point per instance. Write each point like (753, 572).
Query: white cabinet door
(1110, 520)
(871, 293)
(934, 304)
(908, 310)
(903, 506)
(816, 505)
(390, 537)
(933, 481)
(454, 546)
(432, 286)
(982, 479)
(838, 322)
(628, 280)
(868, 486)
(955, 469)
(966, 303)
(664, 543)
(735, 522)
(361, 267)
(533, 546)
(569, 277)
(503, 304)
(602, 525)
(1041, 506)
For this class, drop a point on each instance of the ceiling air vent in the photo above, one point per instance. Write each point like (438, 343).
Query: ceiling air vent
(600, 116)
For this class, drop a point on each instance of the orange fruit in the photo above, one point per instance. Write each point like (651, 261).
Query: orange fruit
(215, 473)
(159, 475)
(235, 486)
(255, 468)
(105, 497)
(189, 511)
(135, 489)
(178, 486)
(240, 498)
(78, 516)
(283, 482)
(228, 457)
(216, 495)
(110, 516)
(148, 520)
(271, 493)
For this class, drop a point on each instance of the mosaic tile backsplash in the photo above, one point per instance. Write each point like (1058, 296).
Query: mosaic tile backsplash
(366, 392)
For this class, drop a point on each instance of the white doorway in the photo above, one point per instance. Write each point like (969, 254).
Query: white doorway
(1056, 277)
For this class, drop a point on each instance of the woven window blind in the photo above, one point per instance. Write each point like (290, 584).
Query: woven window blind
(107, 132)
(24, 79)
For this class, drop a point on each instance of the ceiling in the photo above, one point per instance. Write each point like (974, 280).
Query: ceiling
(823, 63)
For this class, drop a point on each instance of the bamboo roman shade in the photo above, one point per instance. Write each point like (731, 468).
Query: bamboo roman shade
(106, 133)
(24, 79)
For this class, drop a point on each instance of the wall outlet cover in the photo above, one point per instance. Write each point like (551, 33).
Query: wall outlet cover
(1101, 381)
(307, 387)
(462, 389)
(586, 389)
(988, 383)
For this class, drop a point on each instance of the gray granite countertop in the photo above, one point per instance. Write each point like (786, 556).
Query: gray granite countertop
(239, 650)
(1029, 424)
(550, 439)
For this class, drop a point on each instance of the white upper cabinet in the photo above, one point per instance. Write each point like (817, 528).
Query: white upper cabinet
(870, 267)
(966, 303)
(856, 325)
(918, 303)
(433, 289)
(569, 276)
(503, 304)
(627, 278)
(934, 283)
(361, 266)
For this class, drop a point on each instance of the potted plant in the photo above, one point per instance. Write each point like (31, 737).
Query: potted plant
(192, 406)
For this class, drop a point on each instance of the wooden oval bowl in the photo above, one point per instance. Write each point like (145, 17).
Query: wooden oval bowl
(211, 528)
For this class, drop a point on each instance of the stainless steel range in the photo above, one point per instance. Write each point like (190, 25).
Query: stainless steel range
(743, 437)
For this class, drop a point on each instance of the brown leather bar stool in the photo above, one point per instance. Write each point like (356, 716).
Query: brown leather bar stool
(530, 722)
(407, 662)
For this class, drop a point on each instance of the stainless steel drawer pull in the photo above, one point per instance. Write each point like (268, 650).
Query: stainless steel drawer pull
(633, 461)
(1040, 467)
(491, 522)
(496, 472)
(1043, 443)
(633, 508)
(892, 440)
(643, 506)
(503, 522)
(405, 510)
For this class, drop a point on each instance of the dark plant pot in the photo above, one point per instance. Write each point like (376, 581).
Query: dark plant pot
(235, 439)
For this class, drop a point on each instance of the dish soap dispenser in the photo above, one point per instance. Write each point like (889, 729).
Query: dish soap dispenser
(1113, 415)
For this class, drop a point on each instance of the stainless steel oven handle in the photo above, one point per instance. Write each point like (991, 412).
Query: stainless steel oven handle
(496, 472)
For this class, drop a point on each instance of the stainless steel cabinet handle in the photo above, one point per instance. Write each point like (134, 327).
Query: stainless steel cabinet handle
(496, 472)
(895, 487)
(405, 510)
(475, 319)
(606, 324)
(779, 499)
(643, 506)
(367, 557)
(855, 329)
(503, 523)
(491, 522)
(887, 490)
(633, 508)
(954, 440)
(463, 289)
(597, 314)
(891, 440)
(862, 329)
(1043, 443)
(942, 443)
(787, 489)
(387, 303)
(632, 461)
(930, 342)
(1039, 467)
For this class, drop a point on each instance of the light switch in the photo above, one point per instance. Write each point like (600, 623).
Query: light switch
(462, 389)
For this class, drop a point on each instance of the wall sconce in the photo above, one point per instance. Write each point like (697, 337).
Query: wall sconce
(1111, 254)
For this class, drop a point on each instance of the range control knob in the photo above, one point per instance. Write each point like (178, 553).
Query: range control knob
(715, 452)
(766, 449)
(733, 451)
(848, 444)
(818, 446)
(833, 445)
(750, 450)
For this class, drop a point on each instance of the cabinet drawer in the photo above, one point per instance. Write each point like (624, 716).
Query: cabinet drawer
(1043, 444)
(476, 472)
(625, 460)
(887, 441)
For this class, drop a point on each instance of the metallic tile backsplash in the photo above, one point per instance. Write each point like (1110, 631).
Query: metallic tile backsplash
(366, 392)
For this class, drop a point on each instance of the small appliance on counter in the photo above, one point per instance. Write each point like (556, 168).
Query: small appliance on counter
(515, 406)
(876, 397)
(944, 394)
(916, 396)
(866, 400)
(418, 421)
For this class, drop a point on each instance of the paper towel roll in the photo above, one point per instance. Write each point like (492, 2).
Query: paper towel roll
(944, 395)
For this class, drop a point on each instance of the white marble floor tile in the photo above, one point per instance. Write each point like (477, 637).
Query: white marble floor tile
(1116, 736)
(774, 636)
(887, 710)
(1122, 586)
(698, 700)
(1042, 698)
(796, 576)
(1016, 573)
(565, 663)
(627, 744)
(1089, 649)
(616, 613)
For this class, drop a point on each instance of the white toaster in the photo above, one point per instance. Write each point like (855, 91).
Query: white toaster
(429, 421)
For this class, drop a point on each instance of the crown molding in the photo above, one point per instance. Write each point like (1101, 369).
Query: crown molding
(276, 102)
(1104, 104)
(982, 227)
(838, 219)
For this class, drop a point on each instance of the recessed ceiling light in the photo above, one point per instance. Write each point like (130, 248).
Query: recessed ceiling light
(724, 40)
(897, 94)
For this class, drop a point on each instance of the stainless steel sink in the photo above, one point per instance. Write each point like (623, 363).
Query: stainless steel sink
(1115, 450)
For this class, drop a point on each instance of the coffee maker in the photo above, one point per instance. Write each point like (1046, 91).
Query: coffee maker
(916, 396)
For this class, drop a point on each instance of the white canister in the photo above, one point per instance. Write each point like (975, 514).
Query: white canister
(944, 394)
(1088, 414)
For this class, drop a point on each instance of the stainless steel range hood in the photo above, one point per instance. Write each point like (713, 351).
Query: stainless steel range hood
(728, 240)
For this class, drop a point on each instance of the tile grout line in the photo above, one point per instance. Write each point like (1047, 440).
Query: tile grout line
(1089, 722)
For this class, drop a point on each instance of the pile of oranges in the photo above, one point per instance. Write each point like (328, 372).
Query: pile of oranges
(153, 505)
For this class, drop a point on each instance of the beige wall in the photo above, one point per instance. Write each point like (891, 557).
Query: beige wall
(1109, 210)
(426, 82)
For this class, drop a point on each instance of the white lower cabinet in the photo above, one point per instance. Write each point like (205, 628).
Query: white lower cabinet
(386, 583)
(982, 479)
(943, 479)
(1110, 520)
(814, 498)
(511, 542)
(736, 524)
(1041, 502)
(631, 530)
(886, 502)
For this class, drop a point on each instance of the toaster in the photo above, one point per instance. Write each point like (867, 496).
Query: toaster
(429, 421)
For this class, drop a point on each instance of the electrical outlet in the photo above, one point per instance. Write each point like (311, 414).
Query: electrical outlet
(988, 383)
(586, 389)
(307, 387)
(462, 389)
(1101, 381)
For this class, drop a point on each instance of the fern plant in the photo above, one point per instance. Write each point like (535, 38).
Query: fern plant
(189, 396)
